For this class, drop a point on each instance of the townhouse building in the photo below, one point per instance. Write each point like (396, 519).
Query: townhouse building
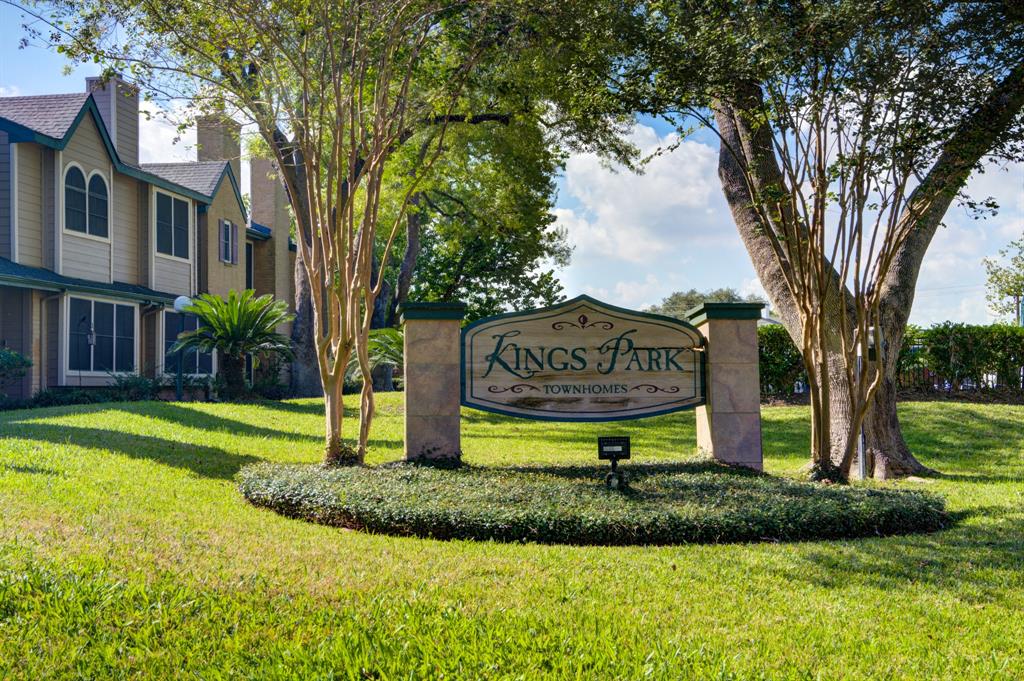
(95, 246)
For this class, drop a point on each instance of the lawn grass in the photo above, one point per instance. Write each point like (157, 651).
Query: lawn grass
(126, 550)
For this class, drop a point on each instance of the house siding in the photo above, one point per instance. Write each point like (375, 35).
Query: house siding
(222, 277)
(31, 209)
(52, 336)
(6, 189)
(82, 256)
(173, 276)
(126, 230)
(86, 258)
(14, 302)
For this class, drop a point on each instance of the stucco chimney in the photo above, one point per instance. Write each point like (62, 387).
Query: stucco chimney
(219, 139)
(118, 103)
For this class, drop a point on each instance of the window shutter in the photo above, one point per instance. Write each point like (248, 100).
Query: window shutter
(220, 240)
(234, 244)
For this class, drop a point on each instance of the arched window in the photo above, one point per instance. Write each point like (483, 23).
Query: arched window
(75, 201)
(97, 206)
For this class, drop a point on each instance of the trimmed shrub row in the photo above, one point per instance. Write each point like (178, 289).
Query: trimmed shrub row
(946, 357)
(697, 502)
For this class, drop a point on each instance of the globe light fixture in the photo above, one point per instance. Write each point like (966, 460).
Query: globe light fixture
(180, 303)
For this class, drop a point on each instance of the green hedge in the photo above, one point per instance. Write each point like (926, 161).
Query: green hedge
(962, 355)
(947, 356)
(696, 502)
(781, 364)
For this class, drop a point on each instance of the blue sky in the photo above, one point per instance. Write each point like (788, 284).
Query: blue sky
(638, 238)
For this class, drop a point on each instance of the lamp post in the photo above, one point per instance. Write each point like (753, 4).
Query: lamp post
(180, 303)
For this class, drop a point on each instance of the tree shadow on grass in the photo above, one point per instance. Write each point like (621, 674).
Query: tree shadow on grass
(973, 561)
(208, 462)
(196, 418)
(315, 408)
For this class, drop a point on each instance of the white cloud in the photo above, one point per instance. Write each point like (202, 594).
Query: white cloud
(159, 138)
(10, 91)
(626, 216)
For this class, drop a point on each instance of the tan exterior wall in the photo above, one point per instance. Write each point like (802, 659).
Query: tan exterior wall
(81, 255)
(218, 278)
(51, 334)
(126, 230)
(31, 215)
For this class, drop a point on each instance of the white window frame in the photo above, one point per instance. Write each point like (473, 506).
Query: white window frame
(162, 358)
(88, 178)
(152, 221)
(66, 335)
(233, 235)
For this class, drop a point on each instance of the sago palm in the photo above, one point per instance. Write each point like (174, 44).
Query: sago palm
(241, 325)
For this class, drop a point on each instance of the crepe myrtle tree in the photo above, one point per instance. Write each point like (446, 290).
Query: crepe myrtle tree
(846, 131)
(235, 327)
(336, 89)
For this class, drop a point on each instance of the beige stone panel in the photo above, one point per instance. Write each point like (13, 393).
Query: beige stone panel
(731, 340)
(432, 437)
(433, 341)
(432, 390)
(735, 388)
(705, 443)
(733, 438)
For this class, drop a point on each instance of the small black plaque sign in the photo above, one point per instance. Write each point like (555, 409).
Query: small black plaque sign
(614, 448)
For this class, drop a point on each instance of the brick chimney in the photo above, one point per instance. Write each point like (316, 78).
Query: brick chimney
(118, 102)
(219, 139)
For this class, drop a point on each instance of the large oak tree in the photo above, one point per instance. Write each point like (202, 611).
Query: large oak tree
(847, 130)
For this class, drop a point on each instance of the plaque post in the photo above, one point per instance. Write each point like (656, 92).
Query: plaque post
(729, 423)
(432, 382)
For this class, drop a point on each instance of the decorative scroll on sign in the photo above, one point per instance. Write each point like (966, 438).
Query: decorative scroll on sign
(582, 360)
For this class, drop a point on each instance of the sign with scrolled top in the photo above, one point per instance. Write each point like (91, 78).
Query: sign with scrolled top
(582, 360)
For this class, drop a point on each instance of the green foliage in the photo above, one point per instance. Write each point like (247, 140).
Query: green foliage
(698, 502)
(781, 364)
(679, 303)
(13, 366)
(386, 348)
(239, 326)
(124, 388)
(1006, 281)
(965, 353)
(267, 382)
(487, 232)
(135, 387)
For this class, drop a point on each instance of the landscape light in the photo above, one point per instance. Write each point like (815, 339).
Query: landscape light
(613, 449)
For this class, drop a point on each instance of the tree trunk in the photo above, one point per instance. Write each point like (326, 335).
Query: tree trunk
(234, 377)
(408, 266)
(335, 451)
(305, 374)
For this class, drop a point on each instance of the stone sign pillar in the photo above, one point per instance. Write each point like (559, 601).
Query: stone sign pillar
(729, 424)
(432, 381)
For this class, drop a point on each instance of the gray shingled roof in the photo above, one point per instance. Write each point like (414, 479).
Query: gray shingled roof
(49, 115)
(200, 177)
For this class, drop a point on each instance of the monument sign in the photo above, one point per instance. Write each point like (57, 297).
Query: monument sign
(582, 360)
